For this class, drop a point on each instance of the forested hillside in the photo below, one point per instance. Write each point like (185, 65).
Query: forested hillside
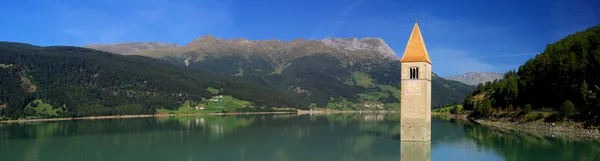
(63, 81)
(326, 81)
(75, 81)
(564, 79)
(333, 73)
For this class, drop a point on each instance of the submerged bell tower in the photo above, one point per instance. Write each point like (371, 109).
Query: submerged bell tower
(415, 94)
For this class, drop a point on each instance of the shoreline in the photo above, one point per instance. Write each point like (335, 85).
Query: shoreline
(557, 129)
(560, 129)
(135, 116)
(298, 112)
(303, 112)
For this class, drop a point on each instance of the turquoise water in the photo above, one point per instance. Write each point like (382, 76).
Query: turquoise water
(334, 137)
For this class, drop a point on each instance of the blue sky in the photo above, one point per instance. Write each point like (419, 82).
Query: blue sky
(461, 35)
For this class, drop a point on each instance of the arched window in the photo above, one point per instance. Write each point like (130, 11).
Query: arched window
(414, 73)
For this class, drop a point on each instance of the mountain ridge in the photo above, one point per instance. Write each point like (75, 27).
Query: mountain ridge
(280, 51)
(474, 78)
(129, 48)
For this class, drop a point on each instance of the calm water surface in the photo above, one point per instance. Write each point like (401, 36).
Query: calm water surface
(335, 137)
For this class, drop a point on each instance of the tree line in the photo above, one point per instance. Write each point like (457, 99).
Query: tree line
(565, 78)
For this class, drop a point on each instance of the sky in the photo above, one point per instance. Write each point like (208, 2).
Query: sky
(460, 35)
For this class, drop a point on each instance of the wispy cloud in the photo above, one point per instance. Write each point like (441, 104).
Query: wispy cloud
(455, 61)
(455, 46)
(112, 21)
(334, 26)
(506, 55)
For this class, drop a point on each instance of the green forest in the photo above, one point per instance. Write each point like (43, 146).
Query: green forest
(76, 82)
(324, 80)
(561, 83)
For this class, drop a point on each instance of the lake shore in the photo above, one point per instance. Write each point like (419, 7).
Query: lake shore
(136, 116)
(298, 112)
(557, 129)
(302, 112)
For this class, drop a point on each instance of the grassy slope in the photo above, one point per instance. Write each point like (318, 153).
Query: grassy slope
(226, 103)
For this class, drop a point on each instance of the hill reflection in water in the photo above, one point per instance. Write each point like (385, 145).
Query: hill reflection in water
(342, 137)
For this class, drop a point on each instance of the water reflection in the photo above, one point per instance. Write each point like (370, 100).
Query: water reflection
(367, 136)
(415, 151)
(452, 140)
(521, 146)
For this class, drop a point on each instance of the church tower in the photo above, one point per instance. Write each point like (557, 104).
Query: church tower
(415, 96)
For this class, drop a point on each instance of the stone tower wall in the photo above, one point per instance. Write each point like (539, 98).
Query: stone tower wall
(415, 103)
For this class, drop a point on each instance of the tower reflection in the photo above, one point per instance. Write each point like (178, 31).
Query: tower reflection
(415, 150)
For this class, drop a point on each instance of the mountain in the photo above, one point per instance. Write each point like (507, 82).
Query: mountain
(275, 51)
(474, 78)
(332, 73)
(374, 45)
(130, 48)
(74, 81)
(563, 79)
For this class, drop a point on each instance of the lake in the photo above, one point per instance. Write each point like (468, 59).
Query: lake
(332, 137)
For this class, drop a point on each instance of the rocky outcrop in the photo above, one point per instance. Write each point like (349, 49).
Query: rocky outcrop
(374, 45)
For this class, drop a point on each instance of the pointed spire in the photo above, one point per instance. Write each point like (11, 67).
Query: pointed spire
(415, 48)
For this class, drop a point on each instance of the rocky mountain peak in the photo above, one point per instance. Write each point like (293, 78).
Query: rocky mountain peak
(208, 41)
(205, 38)
(376, 45)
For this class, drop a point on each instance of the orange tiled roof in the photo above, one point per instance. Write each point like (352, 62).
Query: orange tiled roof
(415, 49)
